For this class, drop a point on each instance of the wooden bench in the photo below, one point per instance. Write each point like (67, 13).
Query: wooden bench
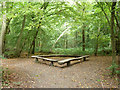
(73, 59)
(45, 59)
(62, 61)
(58, 55)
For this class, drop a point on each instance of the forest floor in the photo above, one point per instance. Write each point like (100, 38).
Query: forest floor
(25, 73)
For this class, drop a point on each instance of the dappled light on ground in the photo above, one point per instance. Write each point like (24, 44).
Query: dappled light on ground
(88, 74)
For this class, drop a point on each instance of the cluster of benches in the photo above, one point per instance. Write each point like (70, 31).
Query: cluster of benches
(43, 57)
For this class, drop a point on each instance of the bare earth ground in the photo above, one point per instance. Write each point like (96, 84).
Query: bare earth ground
(88, 74)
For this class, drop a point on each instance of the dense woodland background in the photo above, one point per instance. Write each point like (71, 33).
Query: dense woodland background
(75, 28)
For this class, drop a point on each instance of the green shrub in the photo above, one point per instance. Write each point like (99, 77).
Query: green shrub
(114, 68)
(9, 54)
(106, 51)
(72, 51)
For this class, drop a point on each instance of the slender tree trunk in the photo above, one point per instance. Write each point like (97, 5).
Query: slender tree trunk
(7, 26)
(83, 38)
(97, 41)
(118, 32)
(7, 32)
(33, 50)
(33, 44)
(113, 35)
(3, 31)
(118, 42)
(96, 47)
(66, 42)
(118, 45)
(18, 46)
(88, 38)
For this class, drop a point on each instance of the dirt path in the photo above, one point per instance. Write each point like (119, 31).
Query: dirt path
(88, 74)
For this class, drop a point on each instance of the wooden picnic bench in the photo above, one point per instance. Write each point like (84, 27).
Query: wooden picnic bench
(73, 59)
(45, 59)
(61, 61)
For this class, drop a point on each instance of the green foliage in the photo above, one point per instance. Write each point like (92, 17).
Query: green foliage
(1, 69)
(52, 22)
(9, 54)
(114, 67)
(72, 51)
(1, 57)
(105, 51)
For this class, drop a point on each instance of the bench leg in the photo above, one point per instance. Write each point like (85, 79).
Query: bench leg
(36, 60)
(51, 64)
(68, 63)
(84, 58)
(43, 59)
(87, 59)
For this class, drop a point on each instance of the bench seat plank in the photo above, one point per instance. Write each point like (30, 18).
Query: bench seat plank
(85, 56)
(70, 59)
(47, 59)
(34, 56)
(59, 56)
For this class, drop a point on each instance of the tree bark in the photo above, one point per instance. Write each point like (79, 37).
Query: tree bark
(118, 32)
(66, 42)
(117, 36)
(87, 40)
(97, 41)
(18, 48)
(3, 31)
(83, 38)
(33, 50)
(7, 32)
(113, 35)
(96, 47)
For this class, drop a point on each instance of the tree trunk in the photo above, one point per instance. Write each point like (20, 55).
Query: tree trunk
(96, 47)
(118, 32)
(3, 31)
(7, 32)
(118, 43)
(97, 41)
(87, 38)
(18, 46)
(83, 38)
(113, 35)
(33, 50)
(33, 44)
(66, 42)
